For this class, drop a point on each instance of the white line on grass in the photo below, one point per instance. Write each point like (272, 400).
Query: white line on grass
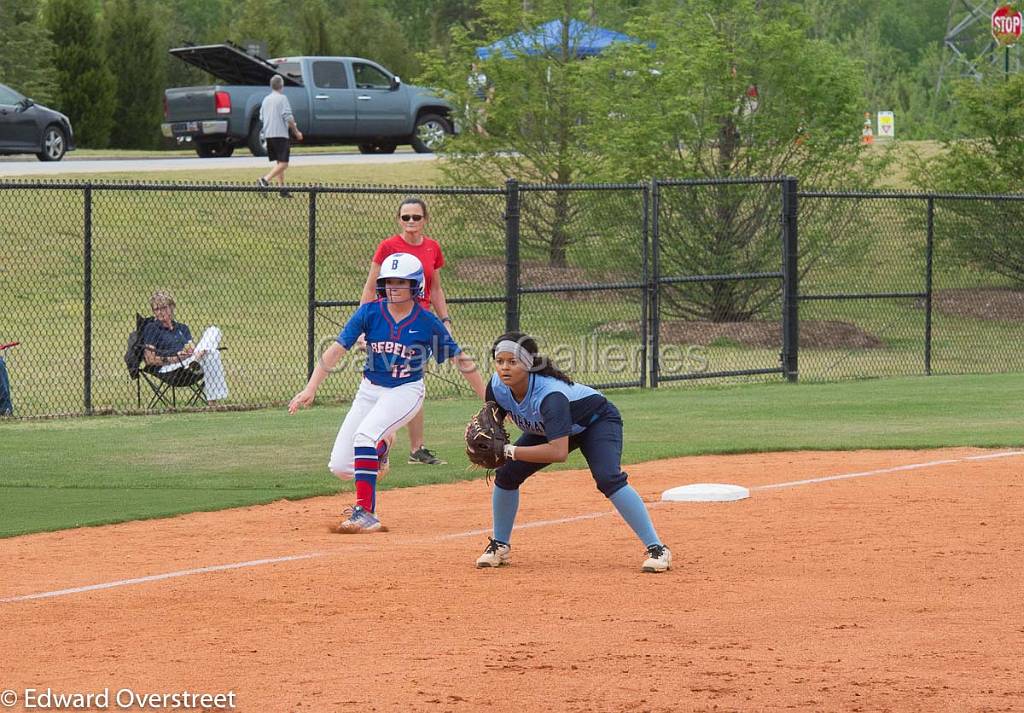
(472, 533)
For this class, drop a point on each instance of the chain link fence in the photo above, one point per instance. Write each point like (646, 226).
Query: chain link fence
(977, 288)
(470, 226)
(719, 255)
(88, 259)
(583, 277)
(41, 297)
(910, 284)
(623, 285)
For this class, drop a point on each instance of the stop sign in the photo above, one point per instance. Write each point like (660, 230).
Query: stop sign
(1006, 25)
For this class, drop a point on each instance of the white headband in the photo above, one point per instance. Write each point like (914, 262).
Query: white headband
(517, 350)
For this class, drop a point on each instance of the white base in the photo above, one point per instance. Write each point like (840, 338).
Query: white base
(706, 492)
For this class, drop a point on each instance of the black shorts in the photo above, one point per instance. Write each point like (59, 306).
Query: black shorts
(278, 149)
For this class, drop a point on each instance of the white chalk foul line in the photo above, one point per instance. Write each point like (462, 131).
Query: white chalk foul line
(990, 456)
(473, 533)
(158, 577)
(882, 471)
(275, 560)
(847, 476)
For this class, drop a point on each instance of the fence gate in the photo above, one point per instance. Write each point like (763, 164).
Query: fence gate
(724, 263)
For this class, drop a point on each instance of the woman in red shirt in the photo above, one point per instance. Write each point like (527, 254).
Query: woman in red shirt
(412, 216)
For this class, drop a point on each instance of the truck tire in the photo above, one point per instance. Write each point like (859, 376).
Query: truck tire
(430, 133)
(256, 143)
(214, 149)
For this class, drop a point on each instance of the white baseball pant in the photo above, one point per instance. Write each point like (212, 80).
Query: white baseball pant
(376, 412)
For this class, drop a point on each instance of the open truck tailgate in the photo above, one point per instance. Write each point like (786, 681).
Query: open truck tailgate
(232, 65)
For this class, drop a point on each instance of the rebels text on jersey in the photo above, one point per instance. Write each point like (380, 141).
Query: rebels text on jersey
(397, 352)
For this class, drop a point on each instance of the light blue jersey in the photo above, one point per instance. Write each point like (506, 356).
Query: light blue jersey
(568, 411)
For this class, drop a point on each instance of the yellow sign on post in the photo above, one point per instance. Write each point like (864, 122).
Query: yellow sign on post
(886, 125)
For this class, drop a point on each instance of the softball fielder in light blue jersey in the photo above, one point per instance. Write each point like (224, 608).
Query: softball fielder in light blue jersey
(556, 416)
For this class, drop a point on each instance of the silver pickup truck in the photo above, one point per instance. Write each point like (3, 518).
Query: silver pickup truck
(336, 100)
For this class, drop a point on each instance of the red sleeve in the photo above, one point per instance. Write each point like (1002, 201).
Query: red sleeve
(383, 250)
(439, 262)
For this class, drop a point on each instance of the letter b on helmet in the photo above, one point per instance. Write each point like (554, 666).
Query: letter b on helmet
(401, 266)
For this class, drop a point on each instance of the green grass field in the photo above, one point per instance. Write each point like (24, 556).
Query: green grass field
(65, 473)
(398, 174)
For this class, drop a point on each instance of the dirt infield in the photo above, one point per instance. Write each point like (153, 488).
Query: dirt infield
(895, 591)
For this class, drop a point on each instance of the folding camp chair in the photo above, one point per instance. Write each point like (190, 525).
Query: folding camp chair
(163, 386)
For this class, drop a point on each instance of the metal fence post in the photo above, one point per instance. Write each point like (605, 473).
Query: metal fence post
(790, 281)
(655, 289)
(87, 302)
(928, 254)
(311, 289)
(511, 255)
(645, 291)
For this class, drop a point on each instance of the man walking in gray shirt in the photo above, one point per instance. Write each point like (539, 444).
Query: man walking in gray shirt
(277, 118)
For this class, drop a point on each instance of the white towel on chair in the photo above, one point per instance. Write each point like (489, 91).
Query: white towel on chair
(215, 385)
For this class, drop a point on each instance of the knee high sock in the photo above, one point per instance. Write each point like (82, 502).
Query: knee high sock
(631, 506)
(366, 476)
(504, 505)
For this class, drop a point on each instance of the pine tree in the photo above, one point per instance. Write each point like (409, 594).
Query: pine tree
(189, 21)
(313, 21)
(136, 61)
(25, 50)
(85, 85)
(266, 21)
(368, 30)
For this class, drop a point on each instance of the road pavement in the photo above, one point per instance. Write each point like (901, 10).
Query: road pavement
(24, 166)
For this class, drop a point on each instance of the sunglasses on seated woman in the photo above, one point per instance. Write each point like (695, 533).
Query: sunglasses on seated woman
(413, 218)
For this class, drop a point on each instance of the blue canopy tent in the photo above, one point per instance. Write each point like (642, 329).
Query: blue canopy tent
(585, 40)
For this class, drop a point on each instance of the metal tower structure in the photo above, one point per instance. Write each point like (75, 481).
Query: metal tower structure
(970, 50)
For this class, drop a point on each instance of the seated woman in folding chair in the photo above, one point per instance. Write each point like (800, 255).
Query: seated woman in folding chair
(169, 349)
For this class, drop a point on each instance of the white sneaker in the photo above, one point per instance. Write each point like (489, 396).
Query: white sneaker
(496, 554)
(659, 559)
(359, 520)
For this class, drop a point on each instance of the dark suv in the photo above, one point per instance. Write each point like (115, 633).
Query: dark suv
(27, 127)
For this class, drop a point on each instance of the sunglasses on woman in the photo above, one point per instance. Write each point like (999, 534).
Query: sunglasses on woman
(413, 218)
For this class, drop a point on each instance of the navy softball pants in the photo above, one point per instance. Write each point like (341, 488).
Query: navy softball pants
(600, 443)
